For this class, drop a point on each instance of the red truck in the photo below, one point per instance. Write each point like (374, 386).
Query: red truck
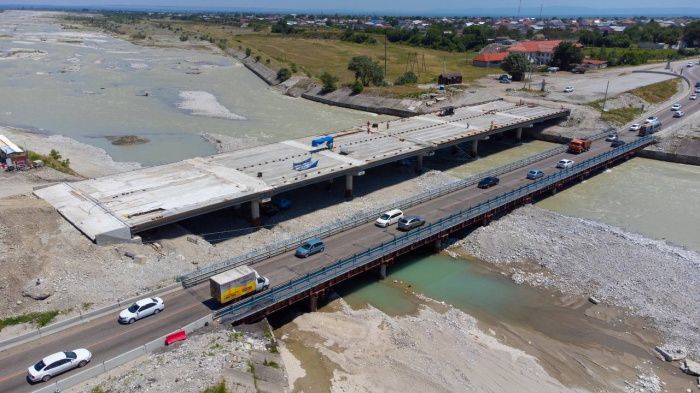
(577, 146)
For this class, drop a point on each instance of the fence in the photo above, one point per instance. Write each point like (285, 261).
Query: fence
(260, 302)
(282, 246)
(111, 364)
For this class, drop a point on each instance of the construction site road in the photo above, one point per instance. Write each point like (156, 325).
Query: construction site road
(106, 338)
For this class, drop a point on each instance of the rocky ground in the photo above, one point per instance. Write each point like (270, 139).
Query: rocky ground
(650, 278)
(246, 361)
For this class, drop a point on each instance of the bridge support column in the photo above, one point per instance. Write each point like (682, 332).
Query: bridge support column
(474, 150)
(437, 245)
(348, 186)
(382, 271)
(554, 191)
(313, 303)
(519, 135)
(255, 219)
(419, 164)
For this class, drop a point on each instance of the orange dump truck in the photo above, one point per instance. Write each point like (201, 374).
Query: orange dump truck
(579, 146)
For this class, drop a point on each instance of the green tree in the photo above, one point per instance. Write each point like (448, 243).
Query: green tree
(356, 87)
(516, 64)
(248, 51)
(566, 54)
(691, 34)
(283, 74)
(55, 154)
(329, 82)
(366, 70)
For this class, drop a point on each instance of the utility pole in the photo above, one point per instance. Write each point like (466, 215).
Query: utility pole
(605, 99)
(386, 75)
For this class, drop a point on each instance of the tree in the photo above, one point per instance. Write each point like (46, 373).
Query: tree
(516, 64)
(566, 54)
(407, 78)
(283, 74)
(329, 82)
(366, 70)
(356, 87)
(248, 51)
(691, 35)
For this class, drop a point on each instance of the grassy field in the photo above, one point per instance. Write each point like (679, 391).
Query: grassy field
(658, 92)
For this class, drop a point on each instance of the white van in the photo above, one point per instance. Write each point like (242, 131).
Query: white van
(389, 218)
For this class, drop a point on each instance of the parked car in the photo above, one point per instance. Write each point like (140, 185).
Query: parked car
(141, 309)
(534, 174)
(611, 137)
(489, 181)
(675, 107)
(651, 119)
(635, 127)
(408, 223)
(693, 96)
(690, 64)
(389, 218)
(617, 143)
(58, 363)
(568, 89)
(564, 163)
(697, 89)
(678, 114)
(504, 80)
(310, 247)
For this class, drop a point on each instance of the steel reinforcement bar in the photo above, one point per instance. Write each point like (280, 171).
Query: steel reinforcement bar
(297, 289)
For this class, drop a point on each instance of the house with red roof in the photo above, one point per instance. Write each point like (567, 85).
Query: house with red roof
(538, 52)
(489, 59)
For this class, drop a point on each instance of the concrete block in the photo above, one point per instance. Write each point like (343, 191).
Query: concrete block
(240, 378)
(690, 367)
(671, 354)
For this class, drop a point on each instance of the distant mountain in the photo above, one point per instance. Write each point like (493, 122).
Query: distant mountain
(550, 11)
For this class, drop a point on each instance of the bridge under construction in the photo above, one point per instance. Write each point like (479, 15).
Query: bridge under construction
(117, 207)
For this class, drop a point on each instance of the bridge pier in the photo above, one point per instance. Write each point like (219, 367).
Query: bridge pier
(382, 271)
(255, 219)
(437, 245)
(348, 186)
(313, 302)
(519, 135)
(474, 150)
(419, 164)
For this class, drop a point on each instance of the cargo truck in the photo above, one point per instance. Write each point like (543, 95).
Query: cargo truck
(236, 283)
(577, 146)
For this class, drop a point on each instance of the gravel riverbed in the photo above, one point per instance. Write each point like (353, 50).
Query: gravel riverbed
(650, 278)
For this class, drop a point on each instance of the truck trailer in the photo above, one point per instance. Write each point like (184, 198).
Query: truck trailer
(579, 146)
(236, 283)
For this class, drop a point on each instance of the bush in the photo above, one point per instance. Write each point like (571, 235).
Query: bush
(257, 58)
(248, 51)
(283, 74)
(407, 78)
(357, 87)
(184, 37)
(294, 68)
(329, 82)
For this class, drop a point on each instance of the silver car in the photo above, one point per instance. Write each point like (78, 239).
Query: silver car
(408, 223)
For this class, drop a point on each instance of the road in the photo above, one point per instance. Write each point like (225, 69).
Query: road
(106, 338)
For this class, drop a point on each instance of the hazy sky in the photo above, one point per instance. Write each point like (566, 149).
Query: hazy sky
(369, 6)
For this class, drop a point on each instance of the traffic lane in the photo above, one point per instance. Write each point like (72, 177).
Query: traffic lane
(104, 337)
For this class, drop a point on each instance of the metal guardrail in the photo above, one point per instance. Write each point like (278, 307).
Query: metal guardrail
(282, 246)
(259, 302)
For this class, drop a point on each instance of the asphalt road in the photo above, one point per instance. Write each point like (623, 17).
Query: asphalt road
(106, 338)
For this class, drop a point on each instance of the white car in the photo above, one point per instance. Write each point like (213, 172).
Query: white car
(676, 107)
(690, 64)
(678, 114)
(568, 89)
(635, 127)
(697, 89)
(563, 164)
(389, 218)
(611, 137)
(693, 96)
(651, 119)
(142, 309)
(58, 363)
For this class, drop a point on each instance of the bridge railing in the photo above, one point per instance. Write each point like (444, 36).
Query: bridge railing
(280, 293)
(282, 246)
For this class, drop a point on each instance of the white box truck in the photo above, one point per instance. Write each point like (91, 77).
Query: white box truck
(236, 283)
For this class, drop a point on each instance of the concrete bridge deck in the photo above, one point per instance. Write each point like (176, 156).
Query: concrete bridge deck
(114, 208)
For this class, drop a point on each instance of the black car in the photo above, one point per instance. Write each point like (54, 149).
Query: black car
(617, 143)
(488, 182)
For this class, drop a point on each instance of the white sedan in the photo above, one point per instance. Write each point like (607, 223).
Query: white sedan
(142, 309)
(563, 164)
(676, 107)
(58, 363)
(693, 96)
(568, 89)
(635, 127)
